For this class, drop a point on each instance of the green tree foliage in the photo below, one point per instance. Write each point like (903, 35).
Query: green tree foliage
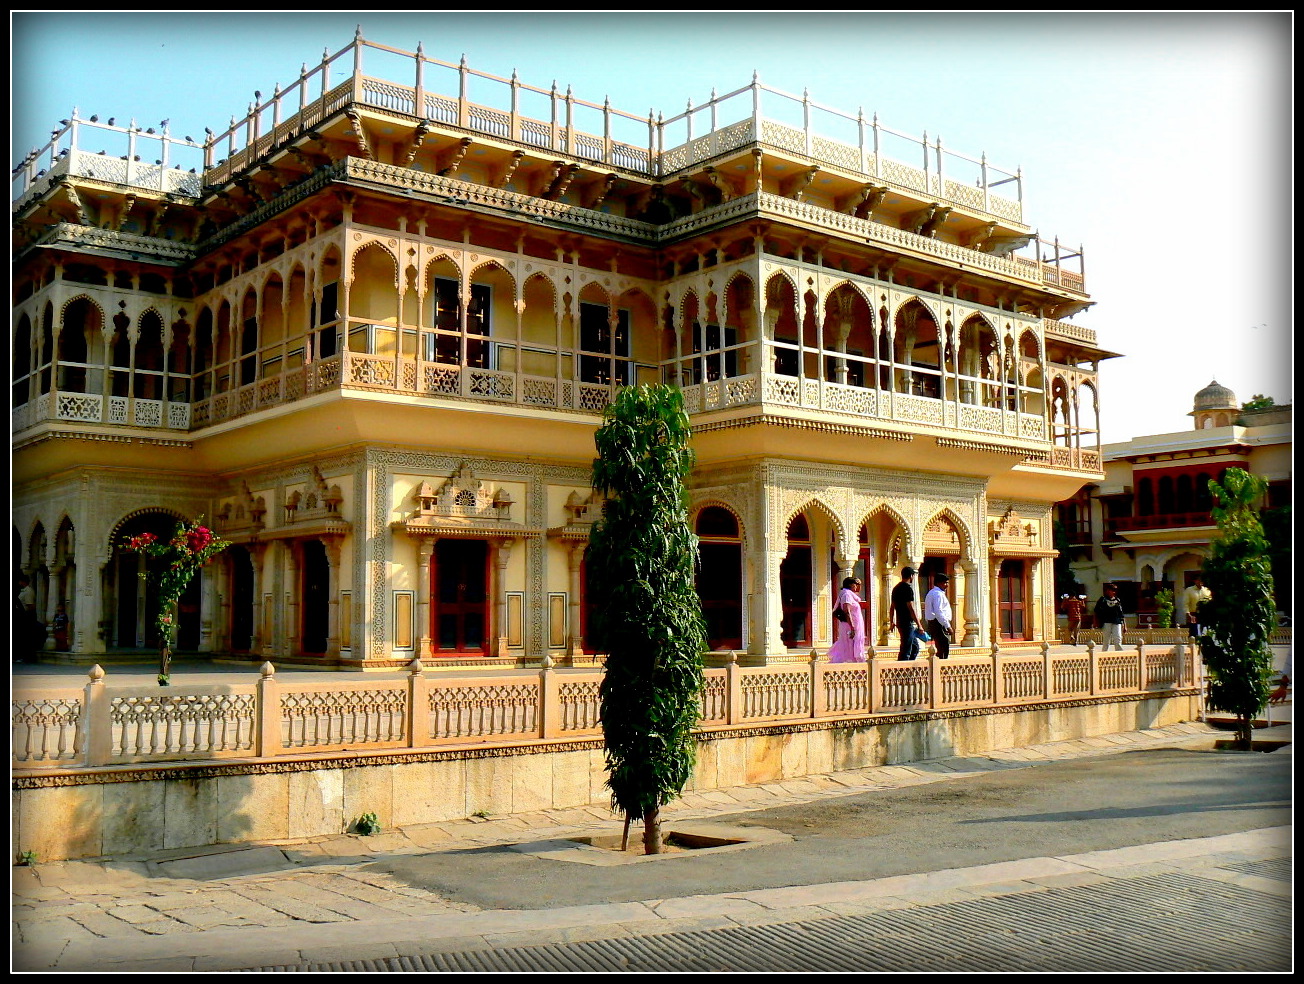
(1259, 402)
(1240, 616)
(647, 614)
(1164, 607)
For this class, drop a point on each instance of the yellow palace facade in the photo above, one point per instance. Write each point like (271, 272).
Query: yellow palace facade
(368, 332)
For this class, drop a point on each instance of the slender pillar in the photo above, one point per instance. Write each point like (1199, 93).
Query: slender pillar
(994, 612)
(502, 554)
(258, 558)
(332, 544)
(425, 551)
(575, 642)
(207, 605)
(884, 582)
(293, 632)
(972, 602)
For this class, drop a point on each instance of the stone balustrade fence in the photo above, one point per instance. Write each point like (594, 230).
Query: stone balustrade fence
(98, 726)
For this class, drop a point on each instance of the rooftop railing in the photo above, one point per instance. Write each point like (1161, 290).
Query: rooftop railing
(549, 119)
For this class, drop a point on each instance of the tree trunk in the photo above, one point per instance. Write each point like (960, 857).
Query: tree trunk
(652, 831)
(1245, 734)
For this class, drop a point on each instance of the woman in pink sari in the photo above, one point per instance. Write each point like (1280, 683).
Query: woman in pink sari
(850, 647)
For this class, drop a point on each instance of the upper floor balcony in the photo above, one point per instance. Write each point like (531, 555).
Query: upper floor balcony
(885, 396)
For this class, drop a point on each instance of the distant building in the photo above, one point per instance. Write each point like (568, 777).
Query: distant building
(370, 332)
(1148, 524)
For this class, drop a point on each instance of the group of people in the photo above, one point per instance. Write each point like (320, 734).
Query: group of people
(1110, 618)
(935, 626)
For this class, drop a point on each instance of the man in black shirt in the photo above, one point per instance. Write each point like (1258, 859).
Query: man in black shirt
(905, 616)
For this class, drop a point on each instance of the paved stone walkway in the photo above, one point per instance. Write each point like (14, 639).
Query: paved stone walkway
(104, 912)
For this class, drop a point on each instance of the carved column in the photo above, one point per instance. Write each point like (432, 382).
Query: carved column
(332, 545)
(207, 604)
(884, 583)
(292, 632)
(575, 643)
(53, 598)
(993, 609)
(425, 551)
(502, 554)
(141, 629)
(972, 602)
(765, 606)
(257, 559)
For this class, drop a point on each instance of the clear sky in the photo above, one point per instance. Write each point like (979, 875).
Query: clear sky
(1162, 143)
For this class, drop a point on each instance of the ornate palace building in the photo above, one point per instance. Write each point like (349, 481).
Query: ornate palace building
(368, 330)
(1148, 523)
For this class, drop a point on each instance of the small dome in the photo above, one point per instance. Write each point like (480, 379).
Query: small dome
(1215, 397)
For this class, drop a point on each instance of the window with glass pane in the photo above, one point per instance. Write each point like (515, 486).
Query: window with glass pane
(604, 353)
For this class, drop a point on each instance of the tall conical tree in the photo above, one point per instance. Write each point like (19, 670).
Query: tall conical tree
(647, 614)
(1240, 616)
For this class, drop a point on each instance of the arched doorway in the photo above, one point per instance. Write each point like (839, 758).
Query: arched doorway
(795, 585)
(720, 577)
(133, 609)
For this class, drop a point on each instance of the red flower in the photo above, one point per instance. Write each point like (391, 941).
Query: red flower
(140, 542)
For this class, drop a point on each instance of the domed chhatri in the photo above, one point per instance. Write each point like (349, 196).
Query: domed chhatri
(1215, 397)
(1215, 406)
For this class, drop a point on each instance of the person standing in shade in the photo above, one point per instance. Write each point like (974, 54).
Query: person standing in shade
(850, 647)
(1109, 615)
(1194, 597)
(24, 628)
(937, 614)
(1076, 610)
(905, 615)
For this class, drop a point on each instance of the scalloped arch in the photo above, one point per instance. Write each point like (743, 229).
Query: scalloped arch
(863, 290)
(1036, 340)
(933, 308)
(372, 244)
(960, 526)
(883, 509)
(713, 501)
(822, 507)
(176, 514)
(63, 308)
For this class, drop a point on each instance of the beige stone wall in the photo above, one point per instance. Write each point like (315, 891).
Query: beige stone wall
(216, 805)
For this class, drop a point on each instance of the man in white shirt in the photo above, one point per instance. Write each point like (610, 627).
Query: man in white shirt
(1193, 597)
(937, 615)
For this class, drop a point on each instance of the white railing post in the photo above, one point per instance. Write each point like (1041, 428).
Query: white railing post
(418, 709)
(97, 734)
(267, 713)
(462, 111)
(419, 90)
(733, 690)
(875, 684)
(860, 139)
(549, 700)
(934, 682)
(818, 702)
(1048, 673)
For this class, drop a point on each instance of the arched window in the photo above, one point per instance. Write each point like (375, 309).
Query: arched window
(720, 577)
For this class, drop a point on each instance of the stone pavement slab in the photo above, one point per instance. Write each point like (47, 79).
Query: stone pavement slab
(306, 888)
